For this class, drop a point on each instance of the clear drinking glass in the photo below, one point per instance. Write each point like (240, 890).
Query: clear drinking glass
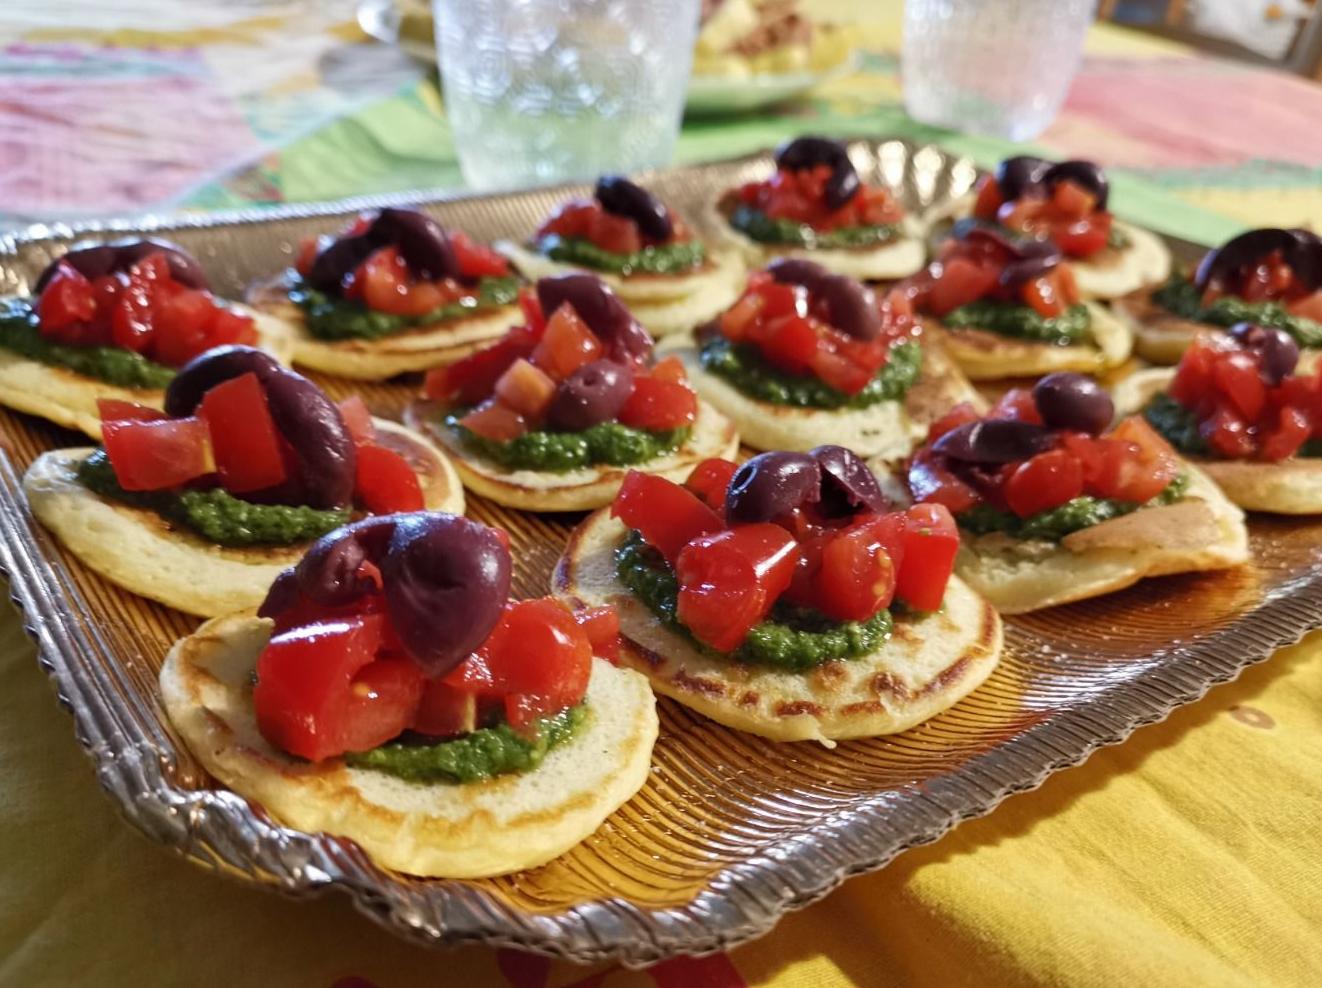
(539, 91)
(998, 67)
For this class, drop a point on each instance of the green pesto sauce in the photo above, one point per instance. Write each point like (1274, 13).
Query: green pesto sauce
(660, 259)
(330, 318)
(1055, 524)
(216, 515)
(1181, 298)
(744, 367)
(795, 639)
(556, 452)
(1023, 322)
(476, 756)
(757, 225)
(112, 364)
(1179, 426)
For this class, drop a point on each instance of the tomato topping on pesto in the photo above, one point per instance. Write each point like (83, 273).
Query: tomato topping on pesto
(1064, 203)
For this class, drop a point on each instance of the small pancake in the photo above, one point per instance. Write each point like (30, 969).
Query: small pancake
(1113, 272)
(926, 666)
(571, 490)
(442, 830)
(69, 399)
(1204, 531)
(413, 349)
(887, 429)
(141, 551)
(984, 355)
(1159, 336)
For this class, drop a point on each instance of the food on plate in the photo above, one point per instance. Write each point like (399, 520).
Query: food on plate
(550, 417)
(1055, 504)
(783, 597)
(743, 38)
(115, 321)
(638, 246)
(200, 505)
(1269, 277)
(1011, 307)
(1065, 203)
(806, 357)
(388, 691)
(816, 206)
(393, 292)
(1240, 408)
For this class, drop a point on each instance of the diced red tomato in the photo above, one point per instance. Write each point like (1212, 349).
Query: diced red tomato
(1152, 467)
(65, 303)
(659, 405)
(840, 372)
(617, 234)
(445, 710)
(1236, 376)
(131, 319)
(710, 480)
(245, 442)
(539, 657)
(988, 199)
(931, 541)
(859, 567)
(961, 281)
(492, 420)
(472, 379)
(667, 515)
(1084, 237)
(1041, 295)
(729, 580)
(526, 388)
(114, 410)
(929, 481)
(566, 345)
(1016, 404)
(477, 260)
(961, 414)
(602, 626)
(1292, 430)
(358, 420)
(1228, 434)
(155, 455)
(790, 343)
(387, 286)
(1046, 481)
(385, 482)
(671, 370)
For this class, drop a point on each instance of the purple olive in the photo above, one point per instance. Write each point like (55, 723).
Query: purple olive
(202, 373)
(809, 152)
(848, 486)
(422, 242)
(620, 197)
(1073, 401)
(322, 447)
(797, 271)
(850, 307)
(1085, 174)
(1020, 175)
(334, 262)
(1030, 258)
(592, 394)
(603, 312)
(1300, 249)
(994, 441)
(1277, 350)
(772, 484)
(97, 260)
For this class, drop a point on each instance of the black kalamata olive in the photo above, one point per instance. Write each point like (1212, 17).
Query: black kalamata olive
(97, 260)
(1300, 249)
(1019, 176)
(1277, 350)
(850, 307)
(322, 447)
(848, 486)
(809, 152)
(994, 441)
(771, 485)
(1073, 401)
(446, 580)
(621, 334)
(592, 394)
(202, 373)
(338, 259)
(1085, 174)
(329, 575)
(1030, 258)
(797, 271)
(422, 242)
(621, 197)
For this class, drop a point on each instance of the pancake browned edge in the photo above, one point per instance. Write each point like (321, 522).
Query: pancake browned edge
(141, 551)
(663, 303)
(413, 349)
(984, 355)
(69, 399)
(440, 830)
(571, 490)
(927, 665)
(1288, 487)
(887, 430)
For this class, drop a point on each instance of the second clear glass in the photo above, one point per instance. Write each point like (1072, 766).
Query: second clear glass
(540, 91)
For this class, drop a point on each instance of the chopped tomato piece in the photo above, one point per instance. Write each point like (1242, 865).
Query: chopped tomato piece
(247, 446)
(840, 372)
(131, 319)
(617, 234)
(492, 420)
(728, 581)
(182, 322)
(858, 569)
(790, 343)
(388, 286)
(659, 405)
(152, 456)
(602, 626)
(931, 541)
(114, 410)
(929, 481)
(470, 380)
(670, 370)
(961, 281)
(477, 260)
(961, 414)
(358, 420)
(1084, 237)
(445, 710)
(1046, 481)
(1041, 295)
(385, 482)
(1016, 404)
(1227, 433)
(1292, 430)
(1237, 377)
(988, 199)
(539, 657)
(66, 302)
(566, 345)
(667, 515)
(526, 388)
(710, 480)
(1153, 464)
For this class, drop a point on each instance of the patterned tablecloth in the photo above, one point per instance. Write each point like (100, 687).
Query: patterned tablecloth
(1189, 855)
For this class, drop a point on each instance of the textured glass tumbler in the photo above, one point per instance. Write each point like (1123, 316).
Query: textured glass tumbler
(540, 91)
(998, 67)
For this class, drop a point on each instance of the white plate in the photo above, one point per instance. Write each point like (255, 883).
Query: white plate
(732, 94)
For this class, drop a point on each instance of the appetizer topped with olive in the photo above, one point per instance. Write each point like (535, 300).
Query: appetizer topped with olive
(1055, 504)
(806, 356)
(549, 417)
(1269, 277)
(388, 691)
(784, 597)
(816, 206)
(1011, 307)
(1066, 203)
(115, 321)
(199, 506)
(394, 292)
(1239, 406)
(638, 246)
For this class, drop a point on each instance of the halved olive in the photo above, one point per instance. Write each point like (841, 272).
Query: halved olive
(599, 307)
(771, 485)
(848, 486)
(809, 152)
(1277, 349)
(621, 197)
(93, 260)
(994, 441)
(1073, 401)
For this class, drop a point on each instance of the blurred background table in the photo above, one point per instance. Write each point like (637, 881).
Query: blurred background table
(1189, 855)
